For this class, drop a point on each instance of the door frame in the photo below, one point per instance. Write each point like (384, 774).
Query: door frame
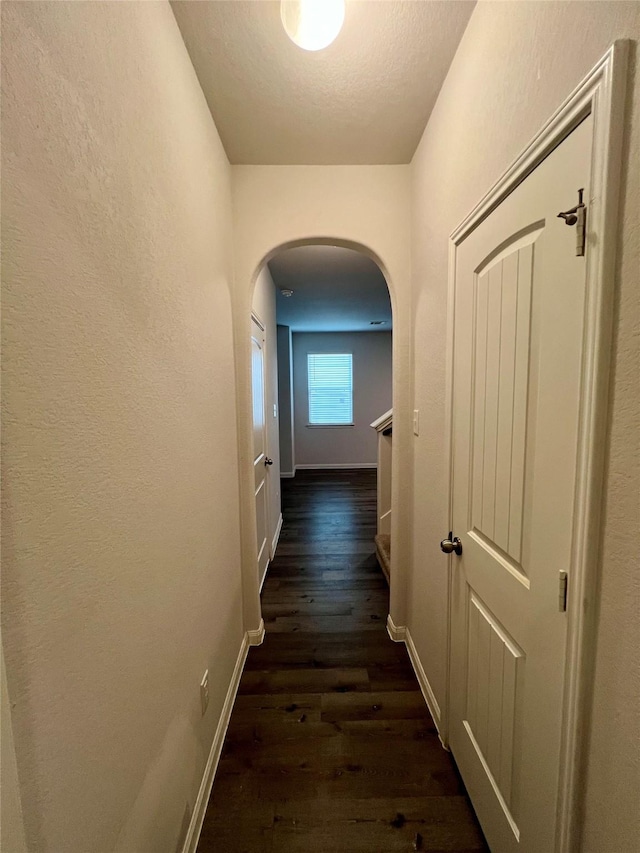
(601, 94)
(256, 319)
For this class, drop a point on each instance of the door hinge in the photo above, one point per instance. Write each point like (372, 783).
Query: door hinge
(577, 216)
(562, 592)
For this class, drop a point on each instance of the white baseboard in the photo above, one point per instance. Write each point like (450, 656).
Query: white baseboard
(423, 681)
(256, 637)
(274, 545)
(276, 537)
(401, 634)
(264, 576)
(396, 632)
(336, 467)
(327, 467)
(197, 818)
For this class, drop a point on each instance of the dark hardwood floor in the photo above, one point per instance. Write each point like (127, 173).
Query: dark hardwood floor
(330, 747)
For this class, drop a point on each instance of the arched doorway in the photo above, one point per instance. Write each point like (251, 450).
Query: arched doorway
(367, 209)
(321, 376)
(251, 576)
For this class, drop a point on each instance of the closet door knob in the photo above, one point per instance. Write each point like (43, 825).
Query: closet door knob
(452, 545)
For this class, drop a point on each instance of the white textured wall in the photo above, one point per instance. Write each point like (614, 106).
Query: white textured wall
(264, 306)
(363, 207)
(121, 578)
(516, 63)
(372, 396)
(11, 817)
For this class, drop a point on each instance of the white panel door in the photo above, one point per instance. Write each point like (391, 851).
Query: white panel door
(519, 309)
(260, 460)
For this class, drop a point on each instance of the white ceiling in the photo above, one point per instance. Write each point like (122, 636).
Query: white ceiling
(364, 99)
(335, 290)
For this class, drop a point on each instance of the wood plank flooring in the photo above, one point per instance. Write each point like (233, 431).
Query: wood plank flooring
(330, 747)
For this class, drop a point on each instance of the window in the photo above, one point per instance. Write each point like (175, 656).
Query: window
(330, 380)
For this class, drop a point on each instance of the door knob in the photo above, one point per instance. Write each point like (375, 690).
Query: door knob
(452, 545)
(268, 461)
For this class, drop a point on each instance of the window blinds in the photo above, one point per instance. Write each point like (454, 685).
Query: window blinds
(330, 382)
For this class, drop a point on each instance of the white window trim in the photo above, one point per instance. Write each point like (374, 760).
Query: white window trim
(331, 426)
(345, 425)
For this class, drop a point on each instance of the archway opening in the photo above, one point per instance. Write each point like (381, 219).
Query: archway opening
(322, 391)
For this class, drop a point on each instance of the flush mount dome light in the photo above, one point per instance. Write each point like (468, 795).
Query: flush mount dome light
(312, 24)
(286, 292)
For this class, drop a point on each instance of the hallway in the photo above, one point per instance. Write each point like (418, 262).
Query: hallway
(330, 745)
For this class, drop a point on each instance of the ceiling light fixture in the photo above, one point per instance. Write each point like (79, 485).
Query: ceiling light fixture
(312, 24)
(286, 292)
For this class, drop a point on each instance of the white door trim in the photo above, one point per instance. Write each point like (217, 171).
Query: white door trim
(601, 94)
(259, 322)
(265, 485)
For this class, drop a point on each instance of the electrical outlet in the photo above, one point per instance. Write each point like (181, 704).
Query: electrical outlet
(416, 422)
(204, 692)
